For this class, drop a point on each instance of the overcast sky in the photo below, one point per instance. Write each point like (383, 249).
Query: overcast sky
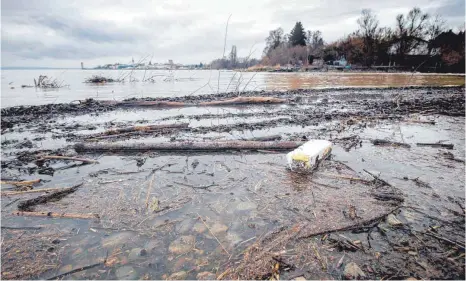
(65, 33)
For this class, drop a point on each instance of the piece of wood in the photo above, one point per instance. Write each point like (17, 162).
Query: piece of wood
(27, 205)
(199, 216)
(441, 145)
(188, 146)
(24, 183)
(244, 100)
(420, 121)
(377, 178)
(153, 103)
(146, 128)
(390, 143)
(149, 188)
(57, 215)
(10, 193)
(343, 177)
(67, 158)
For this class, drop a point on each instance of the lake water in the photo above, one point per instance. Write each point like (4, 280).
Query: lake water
(193, 82)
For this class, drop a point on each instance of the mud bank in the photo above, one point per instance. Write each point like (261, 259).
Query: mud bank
(377, 209)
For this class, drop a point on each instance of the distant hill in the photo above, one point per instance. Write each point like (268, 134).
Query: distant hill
(33, 67)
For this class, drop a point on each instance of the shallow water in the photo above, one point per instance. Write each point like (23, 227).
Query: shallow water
(187, 82)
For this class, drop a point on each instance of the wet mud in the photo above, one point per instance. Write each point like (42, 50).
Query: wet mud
(381, 207)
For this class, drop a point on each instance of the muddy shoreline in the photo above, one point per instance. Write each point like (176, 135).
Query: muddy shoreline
(387, 208)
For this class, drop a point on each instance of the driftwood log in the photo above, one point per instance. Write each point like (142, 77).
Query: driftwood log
(441, 145)
(152, 103)
(66, 158)
(57, 215)
(10, 193)
(146, 128)
(22, 183)
(390, 143)
(28, 205)
(244, 100)
(233, 101)
(188, 146)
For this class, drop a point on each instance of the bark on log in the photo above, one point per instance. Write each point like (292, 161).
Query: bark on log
(189, 146)
(145, 128)
(244, 100)
(390, 143)
(67, 158)
(153, 103)
(27, 205)
(442, 145)
(57, 215)
(10, 193)
(31, 182)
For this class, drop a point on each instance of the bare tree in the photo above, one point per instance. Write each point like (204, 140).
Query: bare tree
(368, 28)
(435, 27)
(274, 40)
(410, 31)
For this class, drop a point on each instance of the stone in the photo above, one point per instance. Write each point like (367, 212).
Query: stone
(181, 275)
(65, 268)
(117, 239)
(393, 221)
(218, 228)
(352, 271)
(185, 226)
(136, 254)
(246, 206)
(199, 227)
(126, 273)
(300, 278)
(206, 276)
(182, 245)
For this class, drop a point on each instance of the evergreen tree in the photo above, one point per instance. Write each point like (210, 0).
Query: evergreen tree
(298, 36)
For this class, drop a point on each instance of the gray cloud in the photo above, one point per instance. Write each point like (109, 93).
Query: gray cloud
(64, 33)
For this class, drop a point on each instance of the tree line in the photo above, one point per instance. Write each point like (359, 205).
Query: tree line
(417, 40)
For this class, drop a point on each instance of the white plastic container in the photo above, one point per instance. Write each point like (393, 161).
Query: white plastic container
(308, 156)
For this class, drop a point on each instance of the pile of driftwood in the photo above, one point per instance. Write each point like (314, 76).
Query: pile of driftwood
(46, 83)
(100, 79)
(188, 146)
(227, 102)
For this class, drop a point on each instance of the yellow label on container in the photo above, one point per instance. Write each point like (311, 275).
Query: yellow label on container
(302, 158)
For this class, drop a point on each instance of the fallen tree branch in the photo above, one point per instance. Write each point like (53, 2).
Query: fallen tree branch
(189, 146)
(67, 158)
(343, 177)
(27, 205)
(10, 193)
(377, 178)
(153, 103)
(31, 182)
(57, 215)
(244, 100)
(443, 239)
(145, 128)
(442, 145)
(361, 224)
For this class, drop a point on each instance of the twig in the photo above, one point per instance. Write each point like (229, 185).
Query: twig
(223, 55)
(77, 270)
(149, 189)
(377, 178)
(67, 158)
(444, 239)
(213, 234)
